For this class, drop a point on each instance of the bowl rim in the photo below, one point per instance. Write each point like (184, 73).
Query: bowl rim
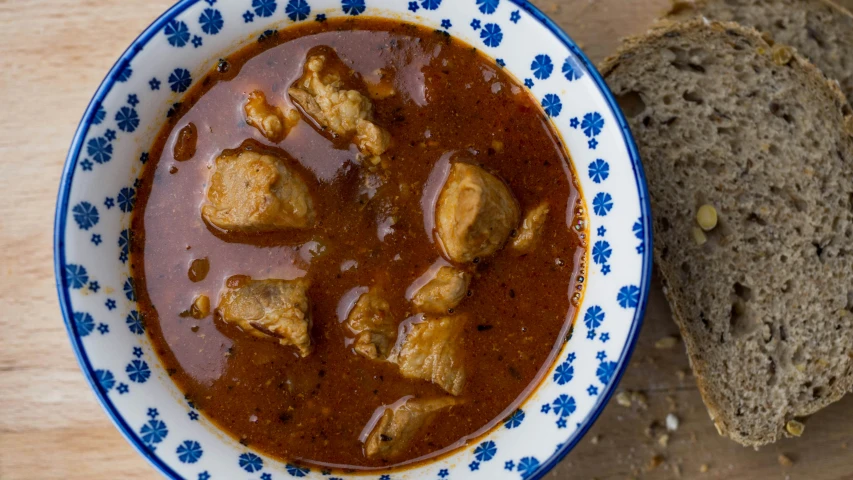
(106, 86)
(646, 214)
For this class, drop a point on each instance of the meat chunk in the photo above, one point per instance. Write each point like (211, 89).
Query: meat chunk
(269, 120)
(476, 213)
(200, 307)
(446, 290)
(277, 309)
(531, 229)
(251, 192)
(371, 139)
(382, 89)
(398, 426)
(370, 320)
(347, 113)
(186, 143)
(433, 351)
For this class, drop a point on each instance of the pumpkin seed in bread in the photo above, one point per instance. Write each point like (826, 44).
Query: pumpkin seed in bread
(764, 298)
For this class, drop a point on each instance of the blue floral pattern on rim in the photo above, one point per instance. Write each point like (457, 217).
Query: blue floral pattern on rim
(297, 10)
(264, 8)
(129, 103)
(488, 6)
(178, 33)
(86, 215)
(211, 21)
(542, 67)
(492, 35)
(85, 323)
(189, 452)
(353, 7)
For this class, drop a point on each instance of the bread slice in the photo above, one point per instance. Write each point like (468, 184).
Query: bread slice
(764, 305)
(821, 30)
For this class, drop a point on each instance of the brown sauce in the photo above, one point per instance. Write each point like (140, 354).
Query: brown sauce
(451, 102)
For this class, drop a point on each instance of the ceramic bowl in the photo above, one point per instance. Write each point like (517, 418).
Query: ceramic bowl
(98, 193)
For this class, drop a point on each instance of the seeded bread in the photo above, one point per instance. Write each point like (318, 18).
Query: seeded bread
(764, 304)
(821, 30)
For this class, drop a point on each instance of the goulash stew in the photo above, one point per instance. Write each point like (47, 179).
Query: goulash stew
(358, 244)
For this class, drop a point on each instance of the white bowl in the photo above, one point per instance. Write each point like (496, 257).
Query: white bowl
(98, 192)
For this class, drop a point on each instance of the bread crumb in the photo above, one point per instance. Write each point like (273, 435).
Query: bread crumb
(795, 427)
(655, 462)
(640, 399)
(680, 374)
(672, 422)
(663, 440)
(595, 439)
(670, 400)
(623, 399)
(666, 343)
(785, 461)
(704, 468)
(650, 430)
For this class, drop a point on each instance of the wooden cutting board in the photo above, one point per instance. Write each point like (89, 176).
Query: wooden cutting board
(54, 54)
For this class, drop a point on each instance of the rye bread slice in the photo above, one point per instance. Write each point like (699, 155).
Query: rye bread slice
(764, 306)
(821, 30)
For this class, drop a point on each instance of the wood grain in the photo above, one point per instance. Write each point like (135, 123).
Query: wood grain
(53, 56)
(848, 4)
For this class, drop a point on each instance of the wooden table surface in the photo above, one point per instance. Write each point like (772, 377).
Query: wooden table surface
(54, 54)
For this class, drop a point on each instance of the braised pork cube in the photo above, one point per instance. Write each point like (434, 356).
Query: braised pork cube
(252, 192)
(370, 320)
(269, 120)
(186, 143)
(347, 113)
(476, 213)
(433, 351)
(531, 229)
(399, 426)
(274, 309)
(200, 307)
(372, 139)
(443, 292)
